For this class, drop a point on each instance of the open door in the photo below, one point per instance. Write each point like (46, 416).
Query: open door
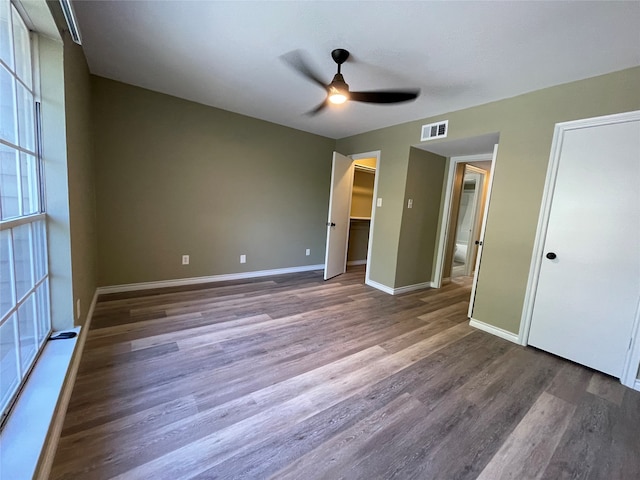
(335, 262)
(483, 227)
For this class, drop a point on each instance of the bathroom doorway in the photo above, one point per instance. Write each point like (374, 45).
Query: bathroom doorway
(471, 197)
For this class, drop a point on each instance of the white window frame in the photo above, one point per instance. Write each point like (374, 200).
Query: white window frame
(41, 314)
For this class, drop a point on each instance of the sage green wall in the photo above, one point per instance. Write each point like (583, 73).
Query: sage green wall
(525, 124)
(425, 174)
(175, 177)
(358, 240)
(394, 144)
(81, 178)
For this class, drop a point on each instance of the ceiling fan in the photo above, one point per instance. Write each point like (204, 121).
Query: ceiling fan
(338, 91)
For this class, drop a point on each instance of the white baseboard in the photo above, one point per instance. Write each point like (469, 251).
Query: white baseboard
(357, 262)
(498, 332)
(130, 287)
(399, 290)
(637, 385)
(55, 429)
(412, 288)
(379, 286)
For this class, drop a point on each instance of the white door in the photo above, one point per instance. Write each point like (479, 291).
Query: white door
(483, 229)
(335, 262)
(589, 277)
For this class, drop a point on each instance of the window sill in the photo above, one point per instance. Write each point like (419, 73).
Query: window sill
(23, 436)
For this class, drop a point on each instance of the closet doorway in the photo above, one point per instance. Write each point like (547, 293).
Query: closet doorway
(364, 176)
(349, 245)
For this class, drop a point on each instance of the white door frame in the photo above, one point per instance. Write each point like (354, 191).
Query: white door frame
(359, 156)
(633, 354)
(446, 213)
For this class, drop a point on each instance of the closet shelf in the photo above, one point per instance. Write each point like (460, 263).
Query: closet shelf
(360, 218)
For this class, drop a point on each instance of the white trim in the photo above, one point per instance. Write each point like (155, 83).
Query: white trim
(17, 221)
(379, 286)
(357, 262)
(543, 219)
(130, 287)
(498, 332)
(637, 385)
(446, 212)
(55, 429)
(399, 290)
(358, 156)
(412, 288)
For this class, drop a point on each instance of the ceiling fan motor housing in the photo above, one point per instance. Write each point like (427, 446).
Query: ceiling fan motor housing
(340, 55)
(338, 83)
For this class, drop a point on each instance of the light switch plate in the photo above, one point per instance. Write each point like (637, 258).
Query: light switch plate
(379, 202)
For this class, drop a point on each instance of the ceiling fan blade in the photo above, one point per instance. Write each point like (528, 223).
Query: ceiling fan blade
(385, 96)
(318, 109)
(295, 59)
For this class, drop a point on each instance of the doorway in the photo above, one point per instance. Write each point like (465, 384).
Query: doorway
(469, 194)
(455, 256)
(351, 215)
(446, 242)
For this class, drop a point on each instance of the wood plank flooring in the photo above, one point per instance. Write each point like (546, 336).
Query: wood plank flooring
(291, 377)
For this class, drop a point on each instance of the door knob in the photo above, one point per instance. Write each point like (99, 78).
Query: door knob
(331, 224)
(551, 256)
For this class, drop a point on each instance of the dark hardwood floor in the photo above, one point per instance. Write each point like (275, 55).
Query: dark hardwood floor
(291, 377)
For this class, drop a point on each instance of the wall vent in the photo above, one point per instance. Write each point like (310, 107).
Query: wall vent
(434, 130)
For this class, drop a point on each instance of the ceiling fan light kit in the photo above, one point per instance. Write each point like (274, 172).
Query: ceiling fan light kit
(338, 90)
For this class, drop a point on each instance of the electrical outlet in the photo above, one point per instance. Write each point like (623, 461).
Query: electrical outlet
(185, 259)
(243, 259)
(410, 203)
(379, 202)
(78, 311)
(307, 252)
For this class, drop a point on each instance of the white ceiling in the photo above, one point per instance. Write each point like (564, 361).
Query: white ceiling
(228, 53)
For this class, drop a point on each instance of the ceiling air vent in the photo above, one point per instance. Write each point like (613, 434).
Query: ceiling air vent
(70, 17)
(434, 130)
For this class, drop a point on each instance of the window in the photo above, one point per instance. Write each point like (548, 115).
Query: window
(25, 321)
